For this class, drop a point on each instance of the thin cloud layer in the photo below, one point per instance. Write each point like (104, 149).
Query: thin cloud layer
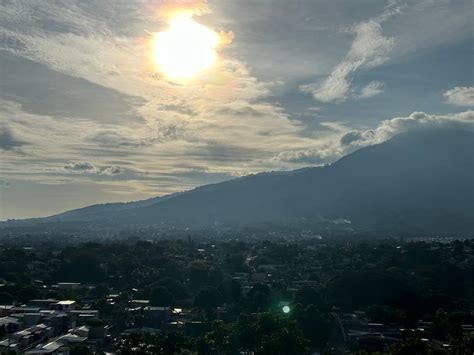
(417, 120)
(89, 168)
(460, 96)
(8, 141)
(370, 48)
(371, 89)
(351, 140)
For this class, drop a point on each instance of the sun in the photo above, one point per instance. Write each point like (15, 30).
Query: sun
(185, 49)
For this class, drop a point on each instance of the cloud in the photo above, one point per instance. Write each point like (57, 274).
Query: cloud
(181, 108)
(166, 9)
(333, 126)
(312, 156)
(111, 170)
(82, 166)
(371, 89)
(351, 140)
(334, 87)
(113, 139)
(215, 121)
(5, 184)
(417, 120)
(8, 141)
(107, 172)
(356, 136)
(460, 95)
(370, 48)
(170, 8)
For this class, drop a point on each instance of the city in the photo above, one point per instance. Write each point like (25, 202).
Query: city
(237, 296)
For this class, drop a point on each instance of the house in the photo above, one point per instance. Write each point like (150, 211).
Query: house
(8, 345)
(31, 335)
(49, 348)
(154, 316)
(66, 305)
(139, 303)
(24, 309)
(61, 344)
(42, 303)
(30, 319)
(83, 316)
(10, 324)
(5, 310)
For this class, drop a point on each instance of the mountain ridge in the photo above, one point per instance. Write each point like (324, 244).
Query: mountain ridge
(419, 180)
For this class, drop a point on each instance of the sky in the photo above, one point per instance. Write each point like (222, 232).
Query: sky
(86, 116)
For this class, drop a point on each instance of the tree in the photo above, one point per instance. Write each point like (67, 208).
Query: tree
(232, 290)
(288, 340)
(464, 345)
(208, 299)
(160, 296)
(219, 339)
(175, 287)
(79, 350)
(100, 291)
(270, 333)
(82, 265)
(236, 262)
(410, 346)
(165, 344)
(384, 314)
(309, 295)
(28, 293)
(259, 298)
(443, 328)
(315, 325)
(198, 274)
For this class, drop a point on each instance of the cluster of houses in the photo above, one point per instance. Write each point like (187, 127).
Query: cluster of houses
(153, 319)
(359, 333)
(49, 326)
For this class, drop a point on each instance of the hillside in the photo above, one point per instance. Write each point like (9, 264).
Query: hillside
(421, 181)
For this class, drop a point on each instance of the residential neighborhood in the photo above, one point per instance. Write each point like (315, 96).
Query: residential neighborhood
(209, 296)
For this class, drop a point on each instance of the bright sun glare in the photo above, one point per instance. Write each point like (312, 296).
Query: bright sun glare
(185, 48)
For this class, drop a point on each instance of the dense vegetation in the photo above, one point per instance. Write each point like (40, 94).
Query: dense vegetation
(391, 281)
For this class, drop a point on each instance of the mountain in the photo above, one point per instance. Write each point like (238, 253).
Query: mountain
(103, 211)
(418, 182)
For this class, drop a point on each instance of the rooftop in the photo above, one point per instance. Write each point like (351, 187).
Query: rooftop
(66, 302)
